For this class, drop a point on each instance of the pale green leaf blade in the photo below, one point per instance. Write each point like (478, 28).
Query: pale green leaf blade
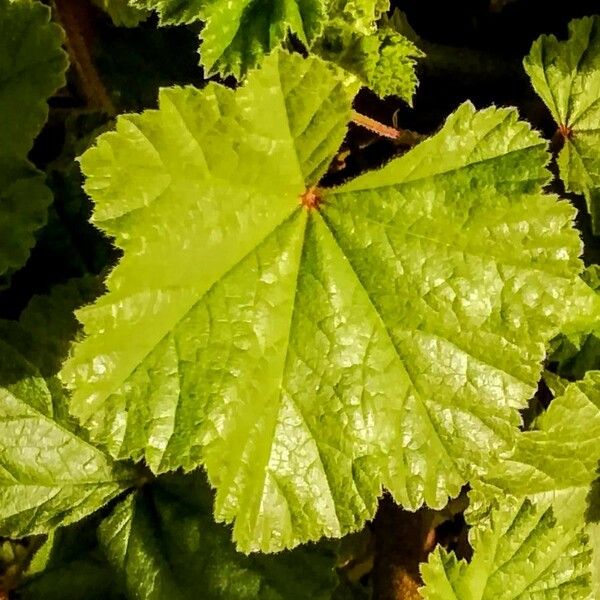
(163, 542)
(279, 351)
(566, 75)
(49, 476)
(520, 552)
(383, 60)
(452, 276)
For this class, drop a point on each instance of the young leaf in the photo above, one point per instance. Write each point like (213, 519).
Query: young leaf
(521, 552)
(163, 542)
(309, 346)
(383, 60)
(566, 75)
(32, 66)
(49, 475)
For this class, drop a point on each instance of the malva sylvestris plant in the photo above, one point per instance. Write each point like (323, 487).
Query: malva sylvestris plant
(257, 343)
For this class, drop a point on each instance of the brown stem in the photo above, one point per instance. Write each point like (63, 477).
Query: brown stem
(375, 126)
(402, 541)
(76, 18)
(404, 137)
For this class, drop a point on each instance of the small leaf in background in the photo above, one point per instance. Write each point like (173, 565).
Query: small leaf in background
(32, 68)
(566, 75)
(311, 346)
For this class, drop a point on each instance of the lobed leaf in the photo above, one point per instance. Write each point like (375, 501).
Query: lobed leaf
(49, 475)
(566, 75)
(383, 60)
(32, 67)
(520, 552)
(577, 349)
(237, 36)
(309, 356)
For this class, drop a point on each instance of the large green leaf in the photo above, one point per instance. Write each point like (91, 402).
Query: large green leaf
(164, 543)
(567, 77)
(32, 66)
(520, 552)
(308, 356)
(49, 475)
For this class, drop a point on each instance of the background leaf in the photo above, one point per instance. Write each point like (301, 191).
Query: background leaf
(567, 77)
(32, 66)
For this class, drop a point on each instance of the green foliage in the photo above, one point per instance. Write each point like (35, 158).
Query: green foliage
(566, 75)
(237, 36)
(383, 60)
(315, 302)
(577, 349)
(164, 543)
(32, 66)
(274, 318)
(50, 475)
(519, 551)
(122, 13)
(560, 454)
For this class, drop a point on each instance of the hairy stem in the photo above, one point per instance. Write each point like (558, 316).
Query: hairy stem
(76, 18)
(400, 136)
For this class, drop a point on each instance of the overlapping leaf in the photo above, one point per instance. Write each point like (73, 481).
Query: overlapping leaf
(577, 348)
(561, 454)
(308, 357)
(32, 67)
(382, 59)
(520, 552)
(557, 461)
(238, 35)
(567, 77)
(49, 475)
(163, 542)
